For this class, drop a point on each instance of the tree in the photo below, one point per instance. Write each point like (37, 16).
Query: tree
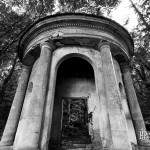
(141, 59)
(15, 17)
(12, 23)
(88, 6)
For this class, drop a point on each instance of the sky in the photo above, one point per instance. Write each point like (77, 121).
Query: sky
(123, 12)
(120, 14)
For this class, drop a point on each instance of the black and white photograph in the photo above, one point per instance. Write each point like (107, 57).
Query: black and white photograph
(74, 74)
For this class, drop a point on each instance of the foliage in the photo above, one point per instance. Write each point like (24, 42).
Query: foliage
(141, 61)
(88, 6)
(15, 17)
(8, 96)
(11, 25)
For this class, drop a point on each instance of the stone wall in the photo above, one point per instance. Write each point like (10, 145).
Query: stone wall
(78, 87)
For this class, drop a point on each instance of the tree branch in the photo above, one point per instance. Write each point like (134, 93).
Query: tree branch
(140, 15)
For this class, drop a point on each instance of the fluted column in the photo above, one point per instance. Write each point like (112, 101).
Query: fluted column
(116, 115)
(14, 114)
(28, 132)
(138, 121)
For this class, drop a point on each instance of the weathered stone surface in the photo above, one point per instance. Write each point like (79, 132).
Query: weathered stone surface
(116, 114)
(105, 129)
(14, 114)
(112, 122)
(6, 147)
(134, 107)
(125, 106)
(28, 132)
(101, 128)
(101, 27)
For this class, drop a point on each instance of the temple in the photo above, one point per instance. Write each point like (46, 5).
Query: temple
(75, 91)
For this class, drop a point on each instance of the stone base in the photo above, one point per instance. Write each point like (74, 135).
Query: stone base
(135, 147)
(6, 147)
(142, 148)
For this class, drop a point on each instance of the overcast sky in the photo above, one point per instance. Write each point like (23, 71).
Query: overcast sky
(123, 12)
(120, 14)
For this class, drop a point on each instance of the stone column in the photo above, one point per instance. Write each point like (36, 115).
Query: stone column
(104, 125)
(138, 121)
(14, 114)
(29, 128)
(116, 115)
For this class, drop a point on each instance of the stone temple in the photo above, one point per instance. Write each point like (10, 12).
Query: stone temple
(75, 91)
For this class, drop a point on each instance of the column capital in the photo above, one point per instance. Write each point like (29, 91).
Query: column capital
(47, 43)
(103, 44)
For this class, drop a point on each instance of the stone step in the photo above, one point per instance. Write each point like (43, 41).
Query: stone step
(74, 146)
(80, 147)
(83, 149)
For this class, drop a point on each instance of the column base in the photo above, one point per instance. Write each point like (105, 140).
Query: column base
(6, 147)
(134, 147)
(143, 148)
(25, 148)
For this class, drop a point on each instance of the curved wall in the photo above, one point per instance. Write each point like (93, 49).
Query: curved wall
(107, 47)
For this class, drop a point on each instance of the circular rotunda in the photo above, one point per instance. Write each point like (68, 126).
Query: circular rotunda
(75, 91)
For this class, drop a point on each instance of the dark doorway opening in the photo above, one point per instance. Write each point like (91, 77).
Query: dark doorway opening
(75, 121)
(75, 80)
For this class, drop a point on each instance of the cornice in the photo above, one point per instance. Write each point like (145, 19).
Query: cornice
(56, 25)
(76, 16)
(74, 20)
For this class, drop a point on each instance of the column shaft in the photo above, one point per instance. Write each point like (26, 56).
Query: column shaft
(116, 114)
(47, 121)
(105, 131)
(137, 117)
(14, 114)
(28, 133)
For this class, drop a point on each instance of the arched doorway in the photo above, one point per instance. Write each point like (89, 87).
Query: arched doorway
(74, 106)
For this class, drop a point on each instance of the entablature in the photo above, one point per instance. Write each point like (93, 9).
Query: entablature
(76, 29)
